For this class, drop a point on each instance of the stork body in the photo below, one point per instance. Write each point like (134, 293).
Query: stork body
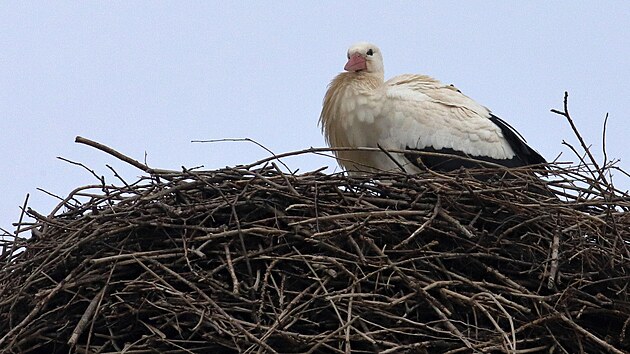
(412, 112)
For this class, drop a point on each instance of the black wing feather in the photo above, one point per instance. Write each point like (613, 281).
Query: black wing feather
(524, 154)
(451, 160)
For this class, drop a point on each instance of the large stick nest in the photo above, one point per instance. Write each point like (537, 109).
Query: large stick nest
(251, 259)
(256, 260)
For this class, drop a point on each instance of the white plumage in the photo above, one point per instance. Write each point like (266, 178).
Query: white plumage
(411, 112)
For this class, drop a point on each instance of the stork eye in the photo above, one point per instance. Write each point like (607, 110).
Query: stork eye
(370, 52)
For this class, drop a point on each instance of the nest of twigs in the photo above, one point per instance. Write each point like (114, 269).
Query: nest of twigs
(253, 259)
(257, 260)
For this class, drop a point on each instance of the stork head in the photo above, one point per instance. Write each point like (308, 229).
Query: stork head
(364, 57)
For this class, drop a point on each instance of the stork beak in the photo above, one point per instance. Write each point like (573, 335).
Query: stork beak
(356, 63)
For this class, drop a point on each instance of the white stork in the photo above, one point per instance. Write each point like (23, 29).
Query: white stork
(412, 112)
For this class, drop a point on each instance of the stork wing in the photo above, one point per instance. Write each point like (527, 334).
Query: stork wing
(420, 113)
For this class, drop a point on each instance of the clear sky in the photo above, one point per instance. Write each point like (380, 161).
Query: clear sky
(148, 77)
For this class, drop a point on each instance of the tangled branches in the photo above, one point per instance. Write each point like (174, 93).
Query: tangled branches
(251, 259)
(248, 260)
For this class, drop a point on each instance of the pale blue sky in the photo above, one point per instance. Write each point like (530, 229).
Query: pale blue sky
(149, 77)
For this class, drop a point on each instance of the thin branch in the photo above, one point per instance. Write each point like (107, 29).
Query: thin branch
(120, 156)
(586, 148)
(249, 140)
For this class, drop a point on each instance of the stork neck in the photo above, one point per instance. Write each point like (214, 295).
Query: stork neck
(364, 80)
(376, 78)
